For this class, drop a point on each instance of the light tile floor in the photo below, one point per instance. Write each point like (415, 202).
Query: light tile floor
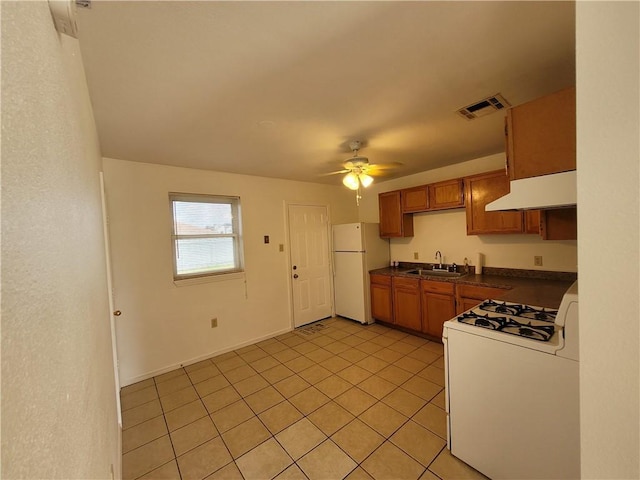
(331, 400)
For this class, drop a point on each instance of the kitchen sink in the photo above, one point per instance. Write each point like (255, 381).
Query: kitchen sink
(436, 273)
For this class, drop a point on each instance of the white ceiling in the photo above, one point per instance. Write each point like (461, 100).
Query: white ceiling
(279, 89)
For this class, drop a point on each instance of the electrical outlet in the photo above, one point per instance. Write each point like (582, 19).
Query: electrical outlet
(214, 322)
(415, 255)
(537, 260)
(281, 247)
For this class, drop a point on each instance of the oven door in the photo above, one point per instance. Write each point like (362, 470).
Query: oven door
(513, 412)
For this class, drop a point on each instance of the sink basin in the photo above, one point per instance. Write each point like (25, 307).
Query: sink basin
(436, 273)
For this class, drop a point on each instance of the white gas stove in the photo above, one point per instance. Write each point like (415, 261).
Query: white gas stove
(512, 389)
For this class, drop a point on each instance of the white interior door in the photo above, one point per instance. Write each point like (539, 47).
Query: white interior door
(310, 263)
(112, 314)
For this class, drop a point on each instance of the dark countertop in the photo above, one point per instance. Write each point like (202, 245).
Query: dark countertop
(530, 287)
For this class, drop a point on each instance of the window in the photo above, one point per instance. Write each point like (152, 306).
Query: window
(206, 235)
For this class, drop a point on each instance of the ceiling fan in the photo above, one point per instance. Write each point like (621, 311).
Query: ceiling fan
(359, 172)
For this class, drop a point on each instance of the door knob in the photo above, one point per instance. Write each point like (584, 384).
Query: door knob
(295, 275)
(117, 313)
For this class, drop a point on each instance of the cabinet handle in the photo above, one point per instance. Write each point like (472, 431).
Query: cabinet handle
(117, 313)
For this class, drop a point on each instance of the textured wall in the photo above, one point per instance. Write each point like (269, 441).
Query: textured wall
(163, 325)
(59, 417)
(608, 79)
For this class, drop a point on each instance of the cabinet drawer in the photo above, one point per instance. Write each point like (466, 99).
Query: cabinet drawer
(380, 279)
(432, 286)
(478, 292)
(403, 282)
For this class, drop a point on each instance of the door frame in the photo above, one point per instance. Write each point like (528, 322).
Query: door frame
(286, 206)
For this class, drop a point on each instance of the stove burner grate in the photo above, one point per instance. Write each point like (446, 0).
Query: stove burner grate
(517, 310)
(509, 325)
(535, 332)
(485, 321)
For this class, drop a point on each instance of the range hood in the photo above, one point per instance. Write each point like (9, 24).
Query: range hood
(557, 190)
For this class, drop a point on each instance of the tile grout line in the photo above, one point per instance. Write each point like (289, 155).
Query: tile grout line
(304, 354)
(164, 416)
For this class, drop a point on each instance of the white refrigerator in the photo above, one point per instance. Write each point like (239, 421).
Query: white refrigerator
(357, 248)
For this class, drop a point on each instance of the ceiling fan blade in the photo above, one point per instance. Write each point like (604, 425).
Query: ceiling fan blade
(337, 172)
(385, 166)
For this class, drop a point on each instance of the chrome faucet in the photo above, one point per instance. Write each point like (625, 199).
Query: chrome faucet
(439, 254)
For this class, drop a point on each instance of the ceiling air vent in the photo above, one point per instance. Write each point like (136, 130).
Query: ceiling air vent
(484, 107)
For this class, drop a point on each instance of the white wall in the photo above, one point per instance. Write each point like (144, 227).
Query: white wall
(59, 417)
(164, 325)
(608, 79)
(446, 230)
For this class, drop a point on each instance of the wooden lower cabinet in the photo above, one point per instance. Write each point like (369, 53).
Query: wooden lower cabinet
(423, 305)
(406, 303)
(381, 303)
(438, 306)
(468, 296)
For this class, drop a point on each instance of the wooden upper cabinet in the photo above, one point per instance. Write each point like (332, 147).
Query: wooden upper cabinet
(415, 199)
(541, 135)
(559, 224)
(482, 189)
(532, 221)
(448, 194)
(393, 222)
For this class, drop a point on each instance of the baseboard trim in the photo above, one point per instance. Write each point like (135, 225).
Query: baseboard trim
(168, 368)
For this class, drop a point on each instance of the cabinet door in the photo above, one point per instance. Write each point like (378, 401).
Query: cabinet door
(436, 309)
(380, 287)
(532, 221)
(541, 135)
(555, 224)
(481, 190)
(393, 223)
(415, 199)
(559, 224)
(406, 303)
(468, 296)
(465, 304)
(449, 194)
(381, 303)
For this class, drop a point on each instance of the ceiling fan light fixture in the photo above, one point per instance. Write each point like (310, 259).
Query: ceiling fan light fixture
(350, 180)
(365, 179)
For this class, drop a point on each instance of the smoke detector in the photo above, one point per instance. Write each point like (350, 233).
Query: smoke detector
(484, 107)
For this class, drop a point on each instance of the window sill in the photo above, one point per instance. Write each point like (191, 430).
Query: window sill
(209, 279)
